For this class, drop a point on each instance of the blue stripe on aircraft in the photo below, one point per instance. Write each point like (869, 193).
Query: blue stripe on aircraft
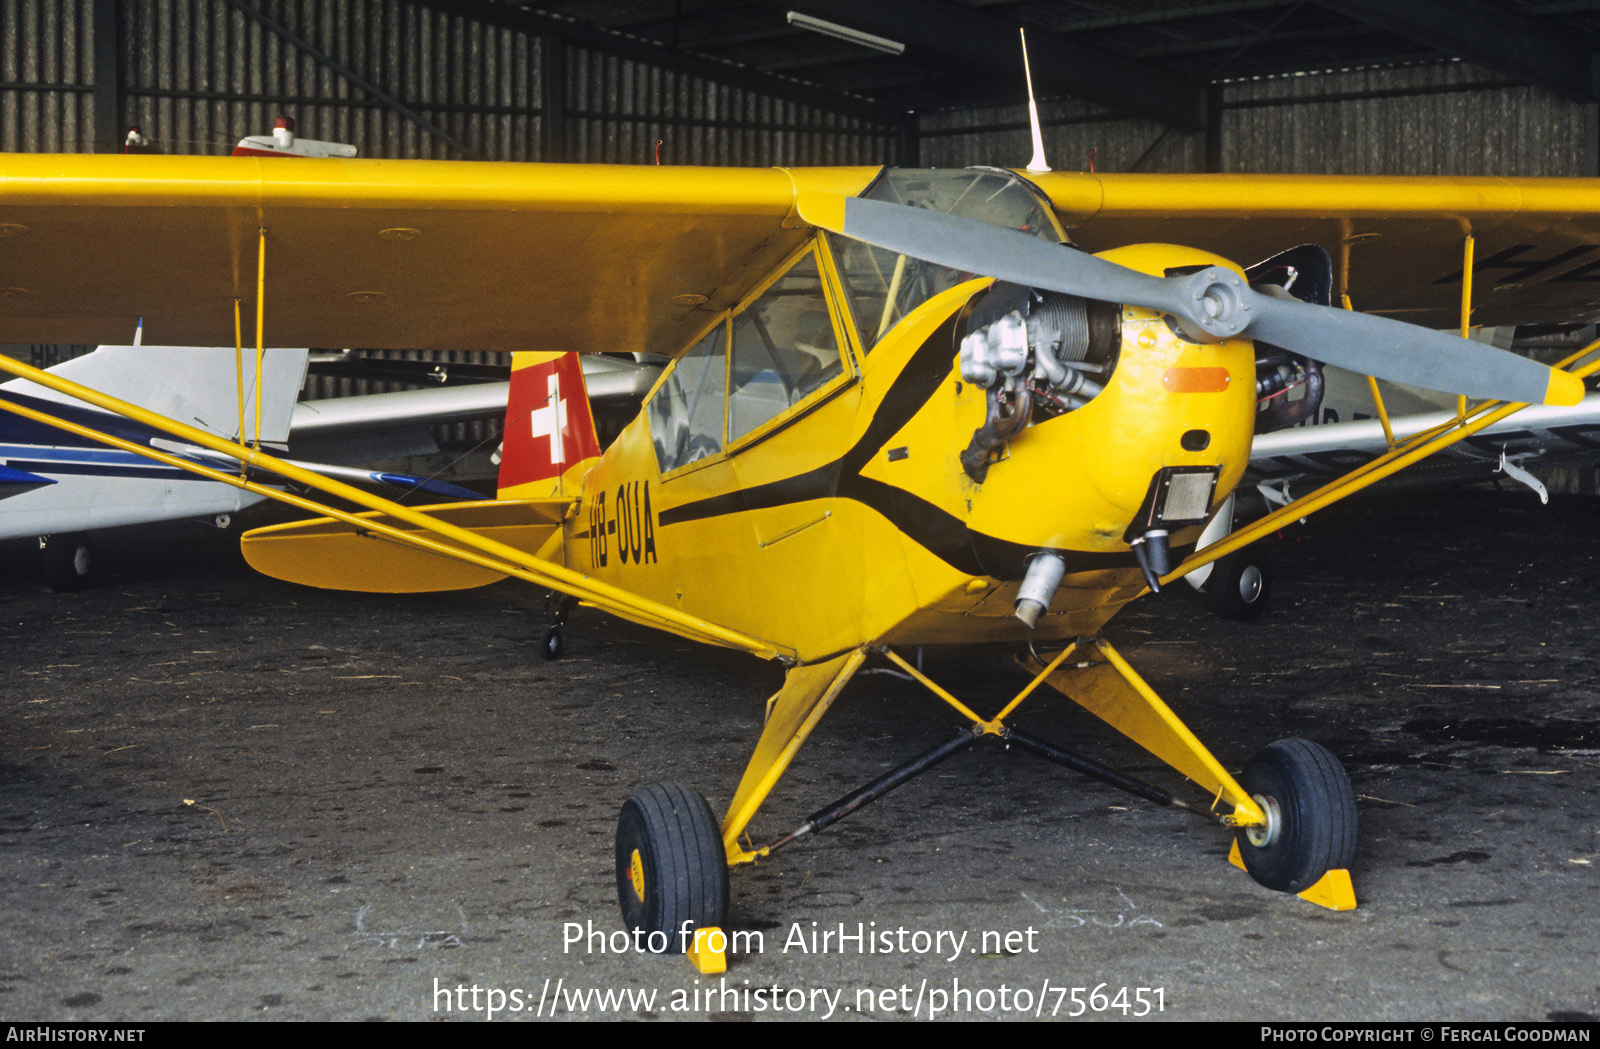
(15, 429)
(46, 453)
(109, 470)
(12, 477)
(92, 462)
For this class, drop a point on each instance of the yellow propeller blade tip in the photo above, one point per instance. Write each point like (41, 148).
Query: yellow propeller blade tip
(823, 210)
(1565, 389)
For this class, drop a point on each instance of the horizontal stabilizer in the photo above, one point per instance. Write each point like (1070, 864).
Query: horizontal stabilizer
(334, 555)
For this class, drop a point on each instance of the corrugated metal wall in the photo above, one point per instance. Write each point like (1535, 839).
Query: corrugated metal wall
(46, 75)
(618, 110)
(1449, 118)
(999, 136)
(397, 80)
(200, 74)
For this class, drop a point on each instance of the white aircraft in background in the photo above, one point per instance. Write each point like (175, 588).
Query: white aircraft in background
(1341, 431)
(1315, 423)
(62, 489)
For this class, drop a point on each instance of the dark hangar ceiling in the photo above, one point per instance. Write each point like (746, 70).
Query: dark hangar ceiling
(1151, 58)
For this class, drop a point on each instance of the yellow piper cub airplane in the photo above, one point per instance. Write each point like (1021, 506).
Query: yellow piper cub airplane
(902, 411)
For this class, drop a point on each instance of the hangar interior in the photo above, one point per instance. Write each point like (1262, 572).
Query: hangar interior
(1235, 85)
(360, 823)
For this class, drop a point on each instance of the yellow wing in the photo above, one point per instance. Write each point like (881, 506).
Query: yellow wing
(1399, 240)
(452, 255)
(386, 254)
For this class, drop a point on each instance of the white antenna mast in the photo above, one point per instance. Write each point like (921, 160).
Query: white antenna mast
(1037, 164)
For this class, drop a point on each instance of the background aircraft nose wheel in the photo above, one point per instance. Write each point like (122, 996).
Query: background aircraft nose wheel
(1311, 816)
(671, 867)
(69, 561)
(1240, 585)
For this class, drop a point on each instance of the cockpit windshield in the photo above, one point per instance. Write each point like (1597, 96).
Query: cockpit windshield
(883, 286)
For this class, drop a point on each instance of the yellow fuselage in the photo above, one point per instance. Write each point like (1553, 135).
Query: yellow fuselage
(851, 520)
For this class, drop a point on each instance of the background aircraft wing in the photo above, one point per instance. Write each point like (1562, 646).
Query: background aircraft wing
(1540, 435)
(367, 427)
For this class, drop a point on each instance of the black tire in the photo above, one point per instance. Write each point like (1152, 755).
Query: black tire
(671, 866)
(551, 646)
(1311, 812)
(1240, 585)
(69, 562)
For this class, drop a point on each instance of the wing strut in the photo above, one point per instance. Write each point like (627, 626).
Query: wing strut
(449, 540)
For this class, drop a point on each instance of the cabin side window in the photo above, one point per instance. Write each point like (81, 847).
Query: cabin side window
(784, 349)
(883, 287)
(686, 411)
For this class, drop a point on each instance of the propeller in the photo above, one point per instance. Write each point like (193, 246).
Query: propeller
(1210, 305)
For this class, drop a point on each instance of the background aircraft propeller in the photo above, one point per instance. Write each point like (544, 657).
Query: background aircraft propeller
(1210, 305)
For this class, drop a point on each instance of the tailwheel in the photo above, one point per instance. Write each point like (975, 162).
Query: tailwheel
(1311, 816)
(553, 644)
(672, 871)
(1240, 585)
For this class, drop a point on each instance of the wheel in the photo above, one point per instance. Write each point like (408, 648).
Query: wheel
(1240, 585)
(551, 648)
(1311, 816)
(69, 562)
(672, 871)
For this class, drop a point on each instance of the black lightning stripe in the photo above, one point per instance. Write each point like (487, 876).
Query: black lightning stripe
(940, 533)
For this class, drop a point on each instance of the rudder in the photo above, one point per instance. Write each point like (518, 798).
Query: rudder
(549, 441)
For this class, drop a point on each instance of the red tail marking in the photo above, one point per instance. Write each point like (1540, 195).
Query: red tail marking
(549, 427)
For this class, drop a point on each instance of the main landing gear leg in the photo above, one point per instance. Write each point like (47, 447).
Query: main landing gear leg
(1295, 812)
(1294, 816)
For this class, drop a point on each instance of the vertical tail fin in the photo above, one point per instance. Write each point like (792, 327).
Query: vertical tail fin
(549, 441)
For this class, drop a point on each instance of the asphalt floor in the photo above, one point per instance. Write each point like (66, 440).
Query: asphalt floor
(223, 797)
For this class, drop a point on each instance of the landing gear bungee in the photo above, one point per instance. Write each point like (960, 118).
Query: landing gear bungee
(1293, 811)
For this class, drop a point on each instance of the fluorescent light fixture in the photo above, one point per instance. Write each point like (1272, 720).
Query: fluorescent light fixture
(843, 32)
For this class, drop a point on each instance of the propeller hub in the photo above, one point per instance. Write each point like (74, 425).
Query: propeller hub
(1219, 308)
